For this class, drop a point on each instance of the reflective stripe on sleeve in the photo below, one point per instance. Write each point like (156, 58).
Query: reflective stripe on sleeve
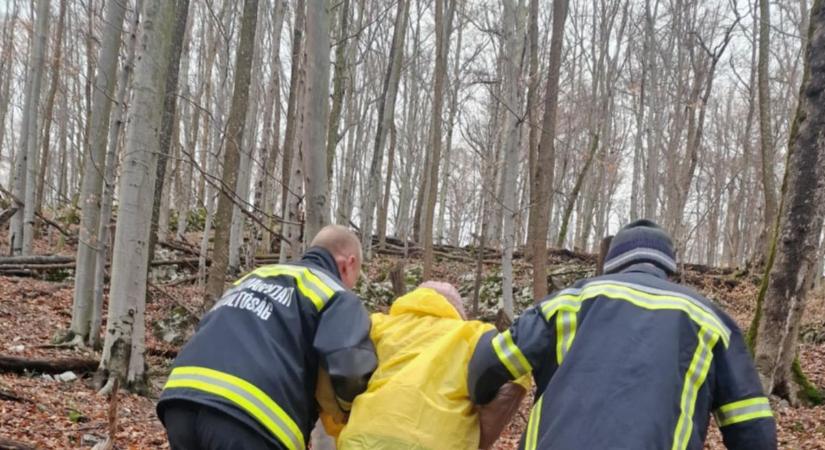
(532, 434)
(242, 394)
(510, 355)
(565, 333)
(743, 410)
(694, 378)
(314, 285)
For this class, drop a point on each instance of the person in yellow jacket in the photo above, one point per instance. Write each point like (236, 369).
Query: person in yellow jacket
(418, 396)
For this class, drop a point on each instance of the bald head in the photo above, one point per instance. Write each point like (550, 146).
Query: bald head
(345, 247)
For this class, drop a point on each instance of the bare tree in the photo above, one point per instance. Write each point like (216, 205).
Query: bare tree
(546, 157)
(792, 264)
(316, 117)
(386, 114)
(95, 162)
(234, 135)
(21, 227)
(434, 160)
(124, 344)
(765, 134)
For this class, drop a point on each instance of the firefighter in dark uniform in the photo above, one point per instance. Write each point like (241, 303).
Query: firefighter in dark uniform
(248, 377)
(629, 360)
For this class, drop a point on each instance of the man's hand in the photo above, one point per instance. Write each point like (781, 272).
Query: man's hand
(496, 415)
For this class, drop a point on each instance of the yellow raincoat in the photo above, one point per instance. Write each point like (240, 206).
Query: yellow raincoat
(417, 398)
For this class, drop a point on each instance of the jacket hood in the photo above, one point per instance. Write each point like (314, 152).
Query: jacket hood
(424, 302)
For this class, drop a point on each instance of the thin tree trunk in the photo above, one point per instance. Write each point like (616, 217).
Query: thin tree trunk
(234, 135)
(428, 209)
(386, 114)
(316, 118)
(765, 133)
(88, 242)
(48, 114)
(546, 156)
(338, 84)
(25, 173)
(170, 122)
(112, 146)
(294, 105)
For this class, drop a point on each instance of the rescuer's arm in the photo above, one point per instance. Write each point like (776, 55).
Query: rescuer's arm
(499, 358)
(742, 411)
(343, 343)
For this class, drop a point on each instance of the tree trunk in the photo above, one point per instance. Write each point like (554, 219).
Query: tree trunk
(294, 106)
(338, 84)
(542, 189)
(88, 242)
(124, 344)
(316, 118)
(796, 240)
(511, 72)
(386, 114)
(428, 209)
(104, 233)
(234, 135)
(766, 146)
(169, 130)
(25, 173)
(49, 110)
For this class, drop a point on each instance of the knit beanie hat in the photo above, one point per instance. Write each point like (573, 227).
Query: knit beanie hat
(641, 241)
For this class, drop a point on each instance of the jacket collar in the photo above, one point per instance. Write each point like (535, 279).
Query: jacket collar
(424, 302)
(321, 258)
(647, 268)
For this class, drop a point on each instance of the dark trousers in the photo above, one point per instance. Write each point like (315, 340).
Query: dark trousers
(190, 426)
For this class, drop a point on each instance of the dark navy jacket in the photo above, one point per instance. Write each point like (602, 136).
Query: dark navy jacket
(628, 361)
(256, 354)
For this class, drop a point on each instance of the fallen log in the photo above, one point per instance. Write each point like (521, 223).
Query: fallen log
(31, 263)
(8, 444)
(46, 365)
(36, 259)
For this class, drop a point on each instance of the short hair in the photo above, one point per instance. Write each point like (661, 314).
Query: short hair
(338, 240)
(449, 292)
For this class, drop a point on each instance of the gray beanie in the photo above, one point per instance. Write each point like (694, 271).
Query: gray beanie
(641, 241)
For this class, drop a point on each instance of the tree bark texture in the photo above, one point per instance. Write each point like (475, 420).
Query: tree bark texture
(234, 135)
(125, 331)
(95, 161)
(794, 269)
(542, 189)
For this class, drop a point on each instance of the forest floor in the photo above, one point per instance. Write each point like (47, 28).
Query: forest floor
(45, 412)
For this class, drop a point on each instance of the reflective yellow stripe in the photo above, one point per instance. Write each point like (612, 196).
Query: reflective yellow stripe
(510, 355)
(309, 284)
(694, 378)
(531, 437)
(244, 395)
(565, 333)
(743, 410)
(641, 296)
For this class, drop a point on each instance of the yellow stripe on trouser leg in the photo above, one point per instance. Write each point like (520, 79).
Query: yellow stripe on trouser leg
(244, 395)
(694, 378)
